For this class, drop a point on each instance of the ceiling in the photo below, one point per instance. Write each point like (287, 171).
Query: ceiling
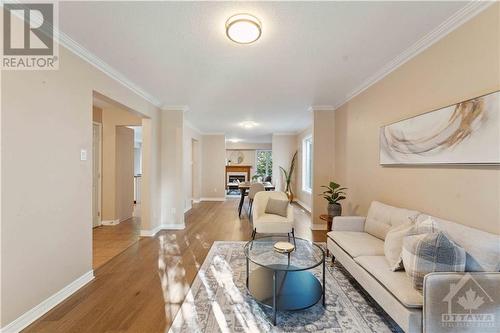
(310, 53)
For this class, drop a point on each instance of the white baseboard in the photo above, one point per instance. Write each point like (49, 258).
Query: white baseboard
(196, 200)
(212, 199)
(30, 316)
(303, 205)
(319, 226)
(153, 232)
(110, 222)
(187, 209)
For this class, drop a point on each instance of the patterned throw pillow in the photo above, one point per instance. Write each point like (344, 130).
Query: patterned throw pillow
(427, 253)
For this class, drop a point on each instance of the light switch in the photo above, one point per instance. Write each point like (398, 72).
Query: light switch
(83, 155)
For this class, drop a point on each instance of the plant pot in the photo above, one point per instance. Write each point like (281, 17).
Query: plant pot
(334, 209)
(289, 194)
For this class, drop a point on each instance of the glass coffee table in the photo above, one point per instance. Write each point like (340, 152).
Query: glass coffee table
(283, 281)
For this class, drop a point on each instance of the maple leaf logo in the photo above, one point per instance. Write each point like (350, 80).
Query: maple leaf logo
(471, 301)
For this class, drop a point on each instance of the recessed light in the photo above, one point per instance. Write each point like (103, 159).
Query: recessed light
(234, 140)
(248, 124)
(243, 28)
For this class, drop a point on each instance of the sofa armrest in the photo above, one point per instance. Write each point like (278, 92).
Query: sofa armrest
(348, 223)
(446, 295)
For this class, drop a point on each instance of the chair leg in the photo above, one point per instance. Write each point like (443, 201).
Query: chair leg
(254, 231)
(250, 204)
(333, 259)
(293, 235)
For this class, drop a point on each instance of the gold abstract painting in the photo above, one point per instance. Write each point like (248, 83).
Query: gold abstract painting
(464, 133)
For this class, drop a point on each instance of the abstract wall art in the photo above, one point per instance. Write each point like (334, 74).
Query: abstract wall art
(464, 133)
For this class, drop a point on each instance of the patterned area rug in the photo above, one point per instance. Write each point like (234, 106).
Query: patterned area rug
(218, 301)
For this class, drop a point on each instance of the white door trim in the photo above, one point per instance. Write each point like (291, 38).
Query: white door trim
(99, 178)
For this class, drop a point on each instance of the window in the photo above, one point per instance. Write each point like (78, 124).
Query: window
(307, 164)
(264, 163)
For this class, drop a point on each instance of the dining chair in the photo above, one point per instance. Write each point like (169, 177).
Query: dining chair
(254, 189)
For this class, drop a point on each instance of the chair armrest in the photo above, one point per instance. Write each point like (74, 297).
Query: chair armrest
(348, 223)
(444, 290)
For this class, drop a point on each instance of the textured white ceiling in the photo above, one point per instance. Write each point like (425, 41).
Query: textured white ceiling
(310, 53)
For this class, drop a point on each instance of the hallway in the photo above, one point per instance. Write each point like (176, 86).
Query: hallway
(128, 293)
(109, 241)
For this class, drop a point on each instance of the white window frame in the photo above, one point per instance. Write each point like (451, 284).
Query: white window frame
(307, 164)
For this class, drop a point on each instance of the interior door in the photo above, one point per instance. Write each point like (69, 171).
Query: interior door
(96, 175)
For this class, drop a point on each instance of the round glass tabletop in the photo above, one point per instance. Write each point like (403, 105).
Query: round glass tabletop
(306, 254)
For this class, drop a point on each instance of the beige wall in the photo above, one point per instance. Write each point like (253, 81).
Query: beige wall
(124, 173)
(49, 189)
(284, 146)
(112, 119)
(462, 65)
(172, 154)
(302, 196)
(213, 154)
(323, 162)
(191, 166)
(248, 158)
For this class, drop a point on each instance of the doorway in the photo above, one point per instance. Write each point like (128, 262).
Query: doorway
(116, 148)
(96, 173)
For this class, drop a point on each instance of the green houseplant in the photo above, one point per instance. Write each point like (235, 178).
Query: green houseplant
(334, 193)
(288, 177)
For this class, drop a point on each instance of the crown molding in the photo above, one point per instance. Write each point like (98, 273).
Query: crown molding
(183, 108)
(313, 108)
(98, 63)
(285, 133)
(194, 128)
(460, 17)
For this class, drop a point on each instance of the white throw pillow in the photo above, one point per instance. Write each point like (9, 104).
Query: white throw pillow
(393, 244)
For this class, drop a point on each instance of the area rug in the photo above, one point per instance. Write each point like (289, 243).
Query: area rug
(218, 301)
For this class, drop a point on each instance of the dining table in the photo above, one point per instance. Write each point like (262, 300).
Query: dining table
(243, 187)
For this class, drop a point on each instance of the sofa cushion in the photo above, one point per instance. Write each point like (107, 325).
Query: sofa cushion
(396, 282)
(482, 248)
(358, 243)
(382, 217)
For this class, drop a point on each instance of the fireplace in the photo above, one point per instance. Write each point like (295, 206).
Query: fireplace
(236, 178)
(236, 173)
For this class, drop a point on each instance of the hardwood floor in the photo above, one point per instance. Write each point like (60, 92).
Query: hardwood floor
(142, 288)
(109, 241)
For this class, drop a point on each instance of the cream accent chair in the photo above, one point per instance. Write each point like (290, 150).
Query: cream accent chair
(270, 223)
(254, 189)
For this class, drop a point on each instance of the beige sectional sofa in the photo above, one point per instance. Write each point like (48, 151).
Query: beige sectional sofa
(358, 244)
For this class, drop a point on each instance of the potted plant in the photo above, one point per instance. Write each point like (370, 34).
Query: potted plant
(334, 193)
(288, 177)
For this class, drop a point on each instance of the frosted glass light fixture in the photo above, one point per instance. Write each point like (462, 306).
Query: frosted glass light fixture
(243, 28)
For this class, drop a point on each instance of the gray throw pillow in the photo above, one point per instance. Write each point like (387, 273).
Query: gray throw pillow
(277, 207)
(427, 253)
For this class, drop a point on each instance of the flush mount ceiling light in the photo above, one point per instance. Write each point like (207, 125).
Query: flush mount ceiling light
(243, 28)
(234, 140)
(248, 124)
